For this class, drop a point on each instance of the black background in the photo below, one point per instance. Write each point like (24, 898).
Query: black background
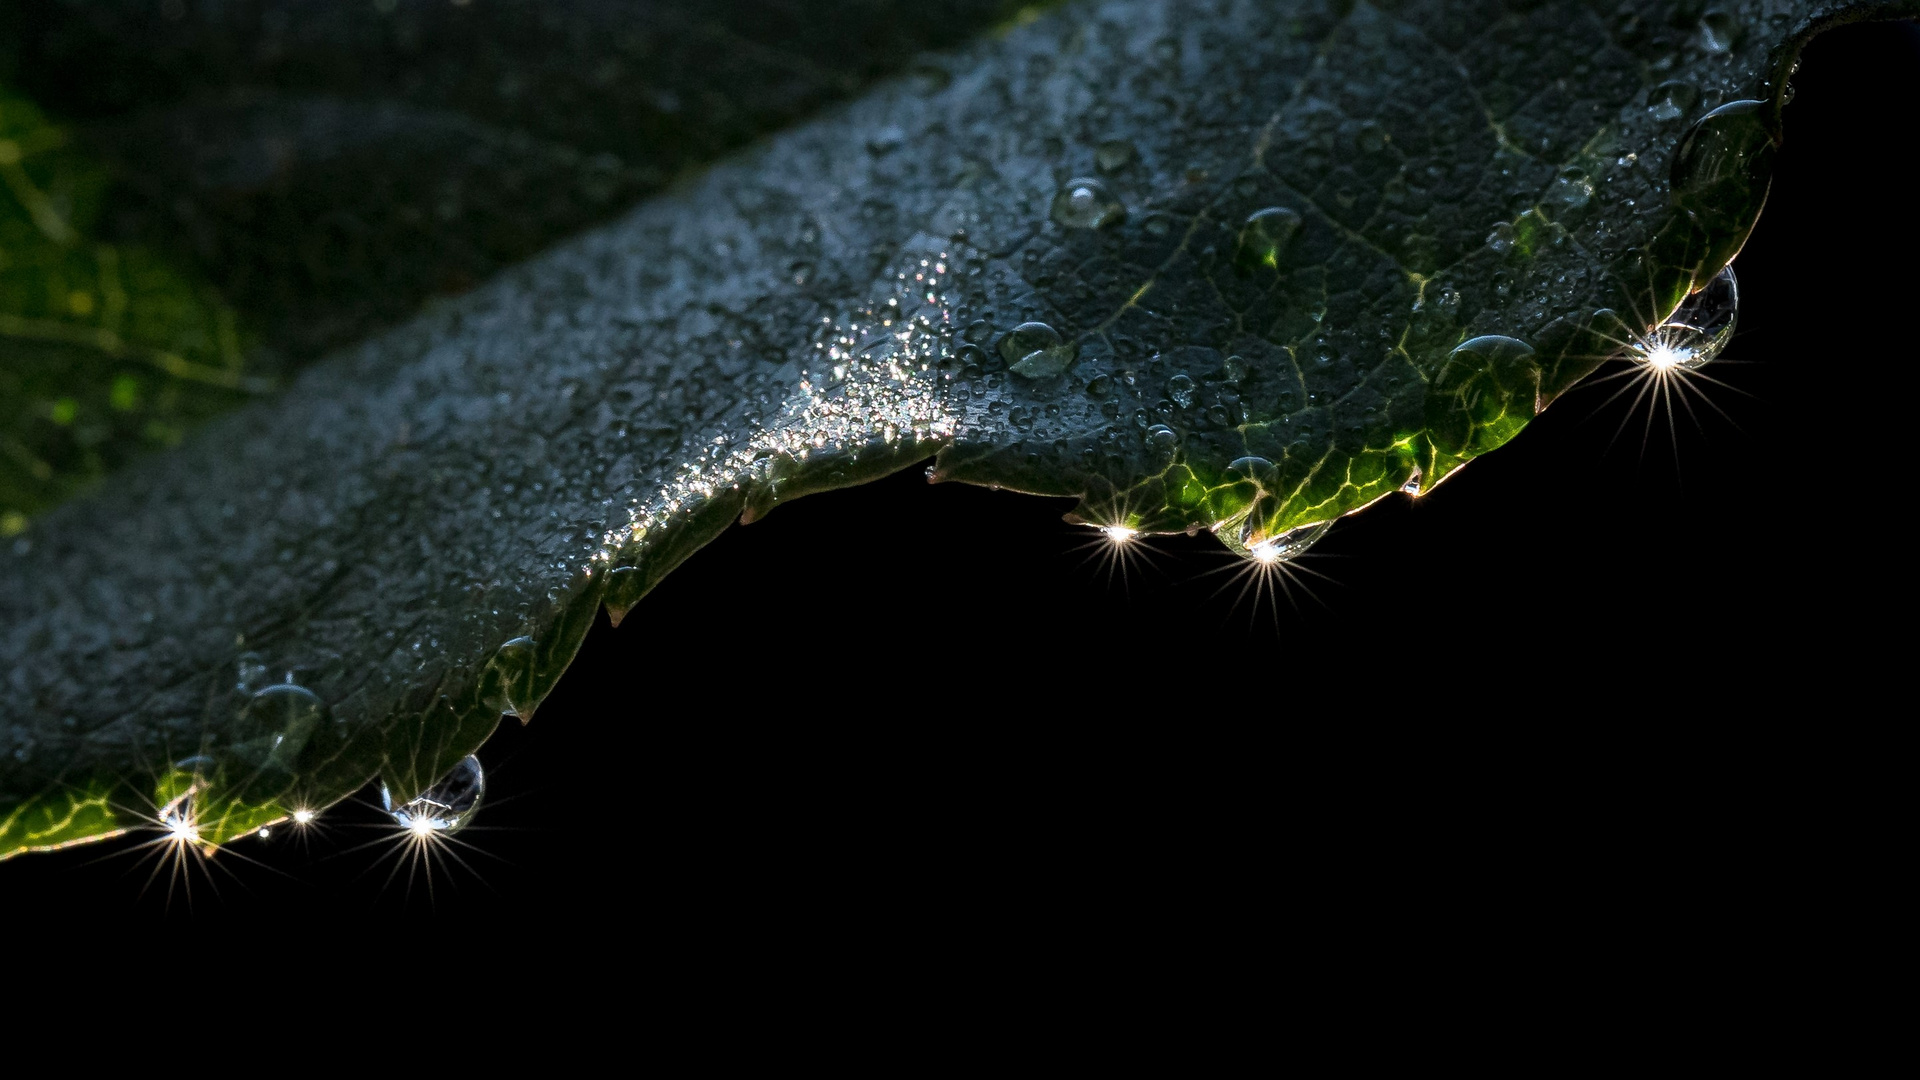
(1604, 659)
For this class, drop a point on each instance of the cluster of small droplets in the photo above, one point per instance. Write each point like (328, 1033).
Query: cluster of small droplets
(859, 380)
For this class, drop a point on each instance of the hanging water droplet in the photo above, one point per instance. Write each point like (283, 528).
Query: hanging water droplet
(1491, 350)
(1672, 100)
(446, 807)
(1180, 389)
(1699, 328)
(1113, 155)
(1086, 203)
(1036, 351)
(1264, 237)
(1412, 486)
(1249, 541)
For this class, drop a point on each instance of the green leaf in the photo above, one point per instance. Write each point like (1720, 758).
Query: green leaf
(1351, 246)
(105, 350)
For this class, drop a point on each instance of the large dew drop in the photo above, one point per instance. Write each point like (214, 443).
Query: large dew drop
(1699, 329)
(1036, 351)
(506, 683)
(1086, 203)
(1721, 172)
(276, 724)
(1247, 542)
(1264, 237)
(446, 807)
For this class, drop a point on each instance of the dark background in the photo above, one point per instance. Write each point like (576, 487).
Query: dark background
(1601, 660)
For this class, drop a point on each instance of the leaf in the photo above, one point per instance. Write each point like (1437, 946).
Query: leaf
(330, 167)
(1242, 267)
(104, 349)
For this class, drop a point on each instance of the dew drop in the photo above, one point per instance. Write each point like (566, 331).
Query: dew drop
(1672, 100)
(1412, 486)
(276, 724)
(250, 672)
(1500, 240)
(1113, 155)
(506, 683)
(446, 807)
(1035, 350)
(1722, 168)
(1086, 203)
(1699, 329)
(1180, 389)
(1571, 190)
(1100, 385)
(1264, 237)
(1721, 31)
(1248, 542)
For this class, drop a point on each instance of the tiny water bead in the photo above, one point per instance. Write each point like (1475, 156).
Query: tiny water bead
(1036, 351)
(1264, 237)
(446, 807)
(1085, 203)
(1698, 331)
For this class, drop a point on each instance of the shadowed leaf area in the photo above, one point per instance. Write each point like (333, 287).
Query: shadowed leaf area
(229, 190)
(1242, 267)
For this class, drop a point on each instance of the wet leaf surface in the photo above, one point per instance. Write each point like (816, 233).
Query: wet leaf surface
(419, 532)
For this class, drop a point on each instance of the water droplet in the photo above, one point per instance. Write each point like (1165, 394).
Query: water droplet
(506, 683)
(1721, 31)
(1491, 349)
(1699, 328)
(1500, 240)
(446, 807)
(1264, 237)
(1672, 100)
(1113, 155)
(1248, 542)
(1100, 385)
(1180, 389)
(276, 724)
(1721, 172)
(1412, 486)
(1035, 350)
(1085, 203)
(250, 672)
(1571, 189)
(1163, 441)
